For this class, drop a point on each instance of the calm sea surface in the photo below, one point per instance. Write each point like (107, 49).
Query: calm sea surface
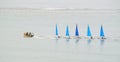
(15, 48)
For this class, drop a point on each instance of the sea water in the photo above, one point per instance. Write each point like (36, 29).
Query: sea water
(15, 48)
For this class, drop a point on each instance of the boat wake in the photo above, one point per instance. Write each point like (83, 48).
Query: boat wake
(43, 37)
(39, 37)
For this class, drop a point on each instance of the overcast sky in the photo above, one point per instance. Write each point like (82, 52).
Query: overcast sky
(104, 4)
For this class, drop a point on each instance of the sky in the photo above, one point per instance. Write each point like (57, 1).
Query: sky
(94, 4)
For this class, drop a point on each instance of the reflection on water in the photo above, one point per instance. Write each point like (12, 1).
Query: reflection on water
(102, 42)
(56, 41)
(67, 40)
(89, 41)
(76, 40)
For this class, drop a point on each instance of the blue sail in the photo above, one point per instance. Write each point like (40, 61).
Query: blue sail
(56, 30)
(88, 31)
(76, 31)
(101, 32)
(67, 31)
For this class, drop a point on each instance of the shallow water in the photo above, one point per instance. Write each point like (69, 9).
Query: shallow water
(15, 48)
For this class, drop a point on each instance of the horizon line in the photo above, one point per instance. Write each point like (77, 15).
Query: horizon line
(24, 8)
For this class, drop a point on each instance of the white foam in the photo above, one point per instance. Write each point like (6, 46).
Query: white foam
(39, 37)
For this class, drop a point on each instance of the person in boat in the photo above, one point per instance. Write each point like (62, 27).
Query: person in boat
(103, 37)
(28, 34)
(58, 36)
(91, 37)
(31, 34)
